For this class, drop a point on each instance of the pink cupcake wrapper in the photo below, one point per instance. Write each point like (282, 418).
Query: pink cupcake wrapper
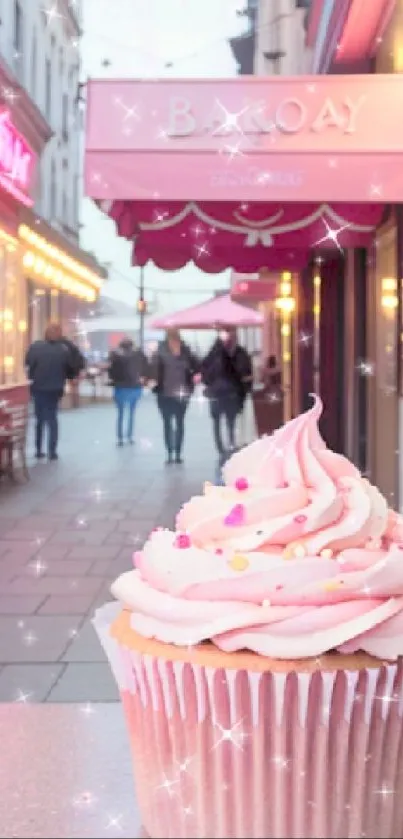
(226, 753)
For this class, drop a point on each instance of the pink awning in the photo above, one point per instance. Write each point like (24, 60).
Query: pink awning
(242, 236)
(219, 311)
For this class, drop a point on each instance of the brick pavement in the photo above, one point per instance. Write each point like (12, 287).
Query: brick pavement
(69, 532)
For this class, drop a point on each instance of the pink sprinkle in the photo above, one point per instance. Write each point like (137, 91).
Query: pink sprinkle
(219, 551)
(278, 588)
(400, 546)
(300, 519)
(236, 516)
(241, 484)
(182, 541)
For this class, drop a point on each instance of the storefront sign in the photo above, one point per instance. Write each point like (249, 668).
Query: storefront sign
(305, 138)
(16, 161)
(290, 116)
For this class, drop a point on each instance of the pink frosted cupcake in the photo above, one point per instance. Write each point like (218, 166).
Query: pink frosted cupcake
(258, 652)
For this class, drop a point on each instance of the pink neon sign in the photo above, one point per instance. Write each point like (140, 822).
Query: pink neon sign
(16, 161)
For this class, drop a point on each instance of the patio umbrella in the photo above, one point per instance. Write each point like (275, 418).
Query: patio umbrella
(218, 311)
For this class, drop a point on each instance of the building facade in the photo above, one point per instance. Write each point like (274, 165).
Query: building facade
(341, 40)
(280, 48)
(44, 273)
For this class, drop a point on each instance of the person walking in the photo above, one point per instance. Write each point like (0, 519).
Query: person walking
(128, 372)
(175, 371)
(227, 374)
(49, 363)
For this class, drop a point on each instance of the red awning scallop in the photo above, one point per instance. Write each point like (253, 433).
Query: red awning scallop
(244, 237)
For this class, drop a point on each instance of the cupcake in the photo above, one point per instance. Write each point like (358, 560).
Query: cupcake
(258, 651)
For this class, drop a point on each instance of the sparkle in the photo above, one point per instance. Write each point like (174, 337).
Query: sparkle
(51, 13)
(385, 791)
(273, 397)
(168, 786)
(29, 639)
(375, 190)
(232, 735)
(114, 822)
(387, 700)
(197, 230)
(23, 697)
(129, 111)
(183, 765)
(160, 215)
(332, 234)
(81, 521)
(280, 761)
(188, 811)
(145, 443)
(85, 799)
(304, 338)
(87, 709)
(366, 368)
(202, 250)
(9, 94)
(230, 121)
(38, 567)
(98, 494)
(232, 151)
(162, 134)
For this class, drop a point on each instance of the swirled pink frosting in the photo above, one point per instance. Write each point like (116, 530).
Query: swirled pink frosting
(294, 556)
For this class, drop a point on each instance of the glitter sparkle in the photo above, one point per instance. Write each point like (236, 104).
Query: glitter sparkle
(233, 735)
(332, 235)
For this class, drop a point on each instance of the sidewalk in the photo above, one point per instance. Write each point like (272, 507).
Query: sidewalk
(69, 532)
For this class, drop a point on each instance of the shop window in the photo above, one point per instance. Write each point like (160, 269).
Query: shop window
(12, 317)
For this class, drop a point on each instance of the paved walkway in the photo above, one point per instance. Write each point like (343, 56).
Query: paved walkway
(69, 532)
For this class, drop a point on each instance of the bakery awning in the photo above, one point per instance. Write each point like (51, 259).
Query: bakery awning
(245, 172)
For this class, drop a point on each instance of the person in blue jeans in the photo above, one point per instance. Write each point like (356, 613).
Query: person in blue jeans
(49, 363)
(128, 372)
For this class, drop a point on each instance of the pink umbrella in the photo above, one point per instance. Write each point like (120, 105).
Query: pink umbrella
(218, 311)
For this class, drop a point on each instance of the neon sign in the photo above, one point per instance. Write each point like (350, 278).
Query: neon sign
(16, 161)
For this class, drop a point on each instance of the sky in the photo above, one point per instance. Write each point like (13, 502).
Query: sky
(139, 38)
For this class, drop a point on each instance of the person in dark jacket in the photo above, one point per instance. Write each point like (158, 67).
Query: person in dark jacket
(49, 364)
(227, 373)
(128, 372)
(174, 370)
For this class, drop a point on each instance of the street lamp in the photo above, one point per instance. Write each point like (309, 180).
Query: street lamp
(141, 307)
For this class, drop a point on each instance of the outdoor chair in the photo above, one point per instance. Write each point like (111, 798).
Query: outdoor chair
(13, 437)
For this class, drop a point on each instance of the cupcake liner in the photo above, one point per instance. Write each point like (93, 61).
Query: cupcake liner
(234, 753)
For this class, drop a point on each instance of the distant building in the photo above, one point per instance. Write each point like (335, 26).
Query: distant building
(44, 273)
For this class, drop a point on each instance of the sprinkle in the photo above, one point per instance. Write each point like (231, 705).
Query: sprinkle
(333, 585)
(266, 604)
(219, 551)
(236, 516)
(294, 550)
(238, 563)
(327, 553)
(182, 541)
(241, 484)
(300, 519)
